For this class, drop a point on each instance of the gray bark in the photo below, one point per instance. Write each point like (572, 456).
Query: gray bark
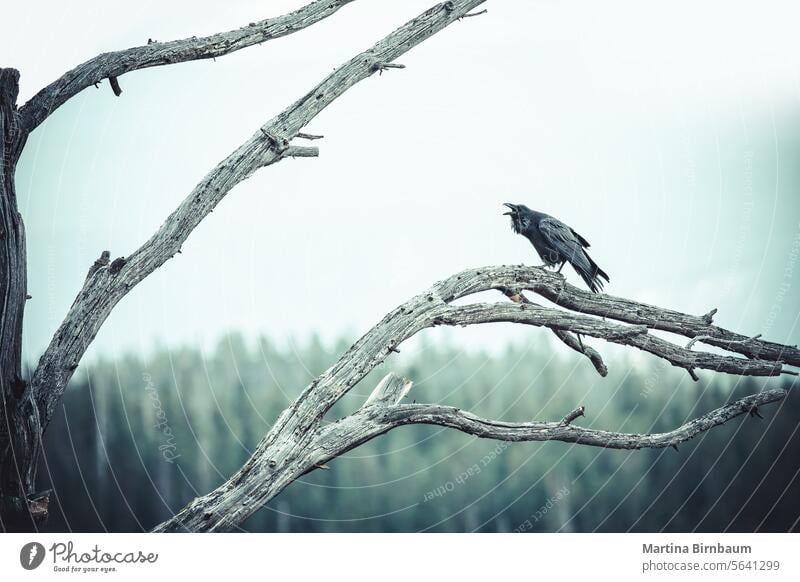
(154, 54)
(568, 296)
(371, 421)
(20, 507)
(299, 442)
(28, 407)
(108, 284)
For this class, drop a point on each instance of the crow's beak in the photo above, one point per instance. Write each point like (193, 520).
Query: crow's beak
(513, 208)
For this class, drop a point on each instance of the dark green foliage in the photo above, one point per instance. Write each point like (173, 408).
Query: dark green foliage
(135, 440)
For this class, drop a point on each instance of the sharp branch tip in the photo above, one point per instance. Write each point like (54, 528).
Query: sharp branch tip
(471, 14)
(114, 82)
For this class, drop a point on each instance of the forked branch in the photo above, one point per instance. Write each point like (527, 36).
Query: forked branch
(554, 288)
(268, 145)
(299, 441)
(371, 421)
(570, 433)
(155, 54)
(571, 340)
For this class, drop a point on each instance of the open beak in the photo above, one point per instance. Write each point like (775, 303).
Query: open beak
(513, 208)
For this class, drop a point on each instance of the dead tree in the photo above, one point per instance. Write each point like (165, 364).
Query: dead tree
(300, 441)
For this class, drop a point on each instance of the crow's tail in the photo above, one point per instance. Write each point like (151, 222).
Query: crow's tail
(591, 273)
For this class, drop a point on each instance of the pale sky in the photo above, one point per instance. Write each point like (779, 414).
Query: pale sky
(667, 134)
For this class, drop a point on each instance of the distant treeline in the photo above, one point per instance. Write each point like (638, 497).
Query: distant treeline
(136, 439)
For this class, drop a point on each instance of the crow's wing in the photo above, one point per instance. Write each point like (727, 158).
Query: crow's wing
(563, 239)
(570, 245)
(584, 243)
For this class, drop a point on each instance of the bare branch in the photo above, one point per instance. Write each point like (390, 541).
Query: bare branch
(154, 54)
(471, 14)
(574, 342)
(268, 145)
(297, 442)
(553, 287)
(370, 422)
(634, 336)
(114, 82)
(571, 340)
(578, 412)
(381, 67)
(702, 338)
(556, 431)
(301, 152)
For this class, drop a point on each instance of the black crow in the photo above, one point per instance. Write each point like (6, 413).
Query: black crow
(556, 243)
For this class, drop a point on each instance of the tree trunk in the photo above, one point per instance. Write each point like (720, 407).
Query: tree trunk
(19, 433)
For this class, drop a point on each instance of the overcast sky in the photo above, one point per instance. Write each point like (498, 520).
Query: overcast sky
(667, 134)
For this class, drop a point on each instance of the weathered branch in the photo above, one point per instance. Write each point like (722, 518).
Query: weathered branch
(154, 54)
(114, 82)
(298, 442)
(301, 152)
(572, 416)
(571, 340)
(553, 287)
(728, 343)
(19, 428)
(634, 336)
(370, 422)
(270, 144)
(557, 431)
(471, 14)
